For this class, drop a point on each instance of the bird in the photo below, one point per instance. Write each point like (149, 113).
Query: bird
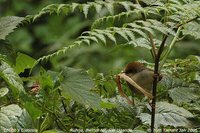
(138, 78)
(142, 75)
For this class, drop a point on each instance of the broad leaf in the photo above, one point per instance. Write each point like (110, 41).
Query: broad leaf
(76, 85)
(3, 91)
(8, 117)
(8, 24)
(25, 122)
(11, 78)
(32, 110)
(13, 117)
(183, 94)
(7, 51)
(167, 115)
(23, 62)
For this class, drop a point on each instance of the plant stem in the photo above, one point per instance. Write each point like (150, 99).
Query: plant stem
(170, 48)
(155, 81)
(154, 53)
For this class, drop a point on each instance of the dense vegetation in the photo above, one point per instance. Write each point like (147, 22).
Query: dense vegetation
(58, 67)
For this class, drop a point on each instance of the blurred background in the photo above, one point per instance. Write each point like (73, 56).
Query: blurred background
(50, 33)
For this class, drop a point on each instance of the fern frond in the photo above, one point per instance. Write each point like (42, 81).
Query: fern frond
(102, 36)
(58, 52)
(177, 12)
(84, 8)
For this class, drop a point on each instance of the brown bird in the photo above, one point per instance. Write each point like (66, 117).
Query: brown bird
(139, 79)
(141, 75)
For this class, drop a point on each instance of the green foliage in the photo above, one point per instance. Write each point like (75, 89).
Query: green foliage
(184, 94)
(7, 52)
(135, 33)
(23, 62)
(168, 115)
(77, 85)
(8, 24)
(13, 116)
(55, 100)
(3, 91)
(11, 78)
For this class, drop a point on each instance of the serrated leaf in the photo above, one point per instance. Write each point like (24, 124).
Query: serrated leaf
(8, 24)
(140, 42)
(24, 121)
(4, 122)
(23, 62)
(85, 9)
(74, 6)
(126, 5)
(9, 116)
(192, 29)
(3, 91)
(13, 117)
(7, 51)
(100, 37)
(110, 7)
(76, 85)
(122, 34)
(183, 94)
(11, 78)
(167, 115)
(110, 36)
(130, 34)
(98, 7)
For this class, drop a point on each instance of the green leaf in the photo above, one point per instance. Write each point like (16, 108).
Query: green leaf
(167, 115)
(85, 9)
(192, 29)
(13, 117)
(108, 105)
(3, 91)
(76, 85)
(110, 7)
(52, 131)
(98, 7)
(46, 122)
(8, 117)
(11, 78)
(25, 121)
(23, 62)
(183, 94)
(7, 51)
(126, 5)
(8, 24)
(32, 110)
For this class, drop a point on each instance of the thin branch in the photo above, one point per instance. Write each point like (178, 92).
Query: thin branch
(155, 81)
(179, 25)
(150, 36)
(62, 101)
(170, 48)
(153, 45)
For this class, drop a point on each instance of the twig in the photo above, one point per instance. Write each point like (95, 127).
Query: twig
(170, 48)
(179, 25)
(154, 53)
(155, 81)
